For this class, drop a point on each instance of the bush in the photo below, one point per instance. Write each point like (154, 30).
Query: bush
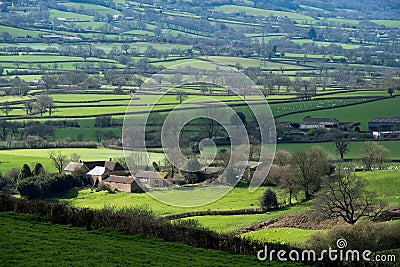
(44, 186)
(268, 200)
(361, 236)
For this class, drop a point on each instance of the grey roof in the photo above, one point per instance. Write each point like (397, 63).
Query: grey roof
(98, 170)
(318, 120)
(75, 165)
(151, 175)
(390, 120)
(119, 179)
(111, 165)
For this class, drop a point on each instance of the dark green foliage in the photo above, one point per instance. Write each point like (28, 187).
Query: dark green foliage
(8, 182)
(365, 235)
(38, 170)
(102, 122)
(268, 200)
(25, 172)
(44, 186)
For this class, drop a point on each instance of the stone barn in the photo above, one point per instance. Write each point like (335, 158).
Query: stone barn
(122, 183)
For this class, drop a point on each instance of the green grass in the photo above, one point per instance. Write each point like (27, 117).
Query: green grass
(388, 23)
(229, 9)
(354, 147)
(345, 46)
(229, 223)
(16, 32)
(62, 133)
(27, 240)
(359, 113)
(86, 97)
(238, 198)
(284, 235)
(386, 183)
(283, 108)
(39, 58)
(12, 98)
(68, 15)
(98, 8)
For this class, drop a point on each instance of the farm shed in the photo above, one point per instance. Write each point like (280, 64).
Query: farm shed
(152, 178)
(122, 183)
(72, 166)
(311, 123)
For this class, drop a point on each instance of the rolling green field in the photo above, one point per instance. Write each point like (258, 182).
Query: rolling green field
(386, 183)
(354, 148)
(359, 113)
(229, 9)
(229, 223)
(27, 240)
(238, 198)
(283, 235)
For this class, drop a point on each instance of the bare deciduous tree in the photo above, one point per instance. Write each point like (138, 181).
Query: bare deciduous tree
(345, 196)
(372, 154)
(311, 165)
(59, 160)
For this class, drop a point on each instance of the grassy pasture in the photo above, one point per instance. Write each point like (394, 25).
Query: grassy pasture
(229, 223)
(388, 23)
(308, 41)
(354, 148)
(386, 183)
(62, 133)
(362, 112)
(16, 32)
(378, 93)
(30, 241)
(283, 235)
(87, 97)
(54, 14)
(229, 9)
(98, 8)
(12, 98)
(238, 198)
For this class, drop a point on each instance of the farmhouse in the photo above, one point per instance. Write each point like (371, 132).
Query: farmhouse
(311, 123)
(74, 166)
(114, 167)
(152, 179)
(384, 126)
(98, 174)
(122, 183)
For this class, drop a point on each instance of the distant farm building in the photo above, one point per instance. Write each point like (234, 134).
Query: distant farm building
(312, 123)
(114, 166)
(75, 166)
(98, 174)
(153, 179)
(382, 127)
(122, 183)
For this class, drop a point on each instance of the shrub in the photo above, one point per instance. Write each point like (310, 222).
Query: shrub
(361, 236)
(268, 200)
